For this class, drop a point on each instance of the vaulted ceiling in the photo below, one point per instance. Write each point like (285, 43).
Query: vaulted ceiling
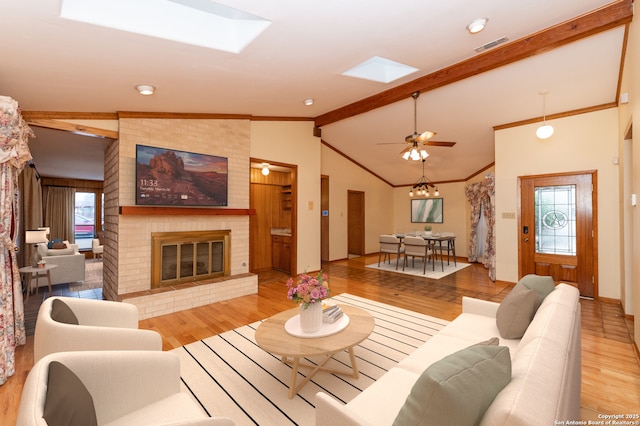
(573, 49)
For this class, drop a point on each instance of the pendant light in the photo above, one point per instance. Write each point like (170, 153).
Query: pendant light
(421, 187)
(546, 130)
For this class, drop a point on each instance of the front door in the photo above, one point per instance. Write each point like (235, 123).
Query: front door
(557, 229)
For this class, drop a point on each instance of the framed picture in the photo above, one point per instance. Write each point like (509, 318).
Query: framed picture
(427, 211)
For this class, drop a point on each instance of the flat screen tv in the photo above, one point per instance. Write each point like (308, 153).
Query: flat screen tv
(168, 177)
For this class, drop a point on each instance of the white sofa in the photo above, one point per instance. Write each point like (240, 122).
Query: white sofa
(545, 365)
(125, 388)
(69, 261)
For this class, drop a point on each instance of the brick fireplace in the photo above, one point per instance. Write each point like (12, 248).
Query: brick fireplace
(129, 228)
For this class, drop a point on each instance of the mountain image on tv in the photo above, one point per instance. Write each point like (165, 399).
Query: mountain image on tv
(167, 177)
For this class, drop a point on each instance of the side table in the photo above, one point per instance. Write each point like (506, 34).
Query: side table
(30, 271)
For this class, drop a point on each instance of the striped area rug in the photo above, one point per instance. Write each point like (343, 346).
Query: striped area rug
(229, 375)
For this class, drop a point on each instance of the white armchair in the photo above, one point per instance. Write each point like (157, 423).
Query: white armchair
(127, 388)
(97, 248)
(98, 325)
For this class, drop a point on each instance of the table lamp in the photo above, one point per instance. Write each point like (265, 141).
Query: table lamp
(35, 237)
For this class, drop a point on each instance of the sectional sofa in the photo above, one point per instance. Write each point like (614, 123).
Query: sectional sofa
(542, 383)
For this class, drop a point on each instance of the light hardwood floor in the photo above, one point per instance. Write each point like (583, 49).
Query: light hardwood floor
(610, 368)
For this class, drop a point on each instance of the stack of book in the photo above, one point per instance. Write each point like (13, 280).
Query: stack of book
(331, 314)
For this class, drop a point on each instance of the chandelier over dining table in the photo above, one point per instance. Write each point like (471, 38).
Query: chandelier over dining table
(421, 187)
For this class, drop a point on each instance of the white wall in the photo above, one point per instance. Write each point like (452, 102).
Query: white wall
(630, 158)
(454, 213)
(580, 143)
(293, 142)
(344, 175)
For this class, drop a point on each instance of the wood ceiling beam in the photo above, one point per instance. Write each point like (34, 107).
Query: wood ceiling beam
(73, 128)
(594, 22)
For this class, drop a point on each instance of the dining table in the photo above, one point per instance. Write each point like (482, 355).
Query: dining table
(437, 241)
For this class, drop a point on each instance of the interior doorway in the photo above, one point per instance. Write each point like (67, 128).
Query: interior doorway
(355, 223)
(273, 224)
(324, 218)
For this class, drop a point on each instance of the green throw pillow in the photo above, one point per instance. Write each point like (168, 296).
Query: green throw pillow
(458, 389)
(494, 341)
(516, 312)
(543, 285)
(68, 402)
(61, 312)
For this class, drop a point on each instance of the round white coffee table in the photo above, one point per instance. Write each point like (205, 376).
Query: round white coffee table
(272, 337)
(44, 271)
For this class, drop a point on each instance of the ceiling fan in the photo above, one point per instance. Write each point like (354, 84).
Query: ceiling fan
(417, 141)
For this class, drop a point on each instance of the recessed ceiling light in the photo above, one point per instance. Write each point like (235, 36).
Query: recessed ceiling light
(380, 69)
(477, 25)
(145, 89)
(308, 102)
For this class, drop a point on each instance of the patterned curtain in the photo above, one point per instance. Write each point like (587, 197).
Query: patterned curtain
(481, 195)
(14, 154)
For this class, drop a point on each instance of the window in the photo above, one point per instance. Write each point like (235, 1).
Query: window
(84, 219)
(555, 209)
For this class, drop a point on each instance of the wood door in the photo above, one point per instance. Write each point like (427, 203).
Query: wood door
(324, 218)
(557, 229)
(355, 222)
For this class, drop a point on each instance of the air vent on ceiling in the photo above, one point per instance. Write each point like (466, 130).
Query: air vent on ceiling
(491, 44)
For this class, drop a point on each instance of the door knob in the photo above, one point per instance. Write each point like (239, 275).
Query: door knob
(526, 240)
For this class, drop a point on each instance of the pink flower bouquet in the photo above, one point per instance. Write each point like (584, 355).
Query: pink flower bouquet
(309, 289)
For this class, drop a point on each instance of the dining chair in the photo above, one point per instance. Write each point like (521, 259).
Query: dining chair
(390, 244)
(417, 247)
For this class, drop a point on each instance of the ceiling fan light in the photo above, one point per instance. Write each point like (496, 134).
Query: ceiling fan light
(406, 153)
(423, 154)
(437, 192)
(545, 131)
(415, 154)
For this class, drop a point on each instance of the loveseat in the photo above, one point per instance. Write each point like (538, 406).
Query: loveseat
(69, 261)
(545, 376)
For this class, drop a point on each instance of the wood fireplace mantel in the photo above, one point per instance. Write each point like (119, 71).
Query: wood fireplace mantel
(184, 211)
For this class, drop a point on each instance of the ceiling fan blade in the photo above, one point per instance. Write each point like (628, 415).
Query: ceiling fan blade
(425, 136)
(427, 143)
(439, 143)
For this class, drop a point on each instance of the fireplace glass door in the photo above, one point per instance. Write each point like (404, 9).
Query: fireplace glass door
(181, 259)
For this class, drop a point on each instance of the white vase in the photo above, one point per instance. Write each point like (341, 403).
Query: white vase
(311, 317)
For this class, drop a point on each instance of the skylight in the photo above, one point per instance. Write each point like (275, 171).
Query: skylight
(198, 22)
(380, 69)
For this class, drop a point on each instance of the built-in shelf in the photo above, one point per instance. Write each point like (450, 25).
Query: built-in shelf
(286, 197)
(183, 211)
